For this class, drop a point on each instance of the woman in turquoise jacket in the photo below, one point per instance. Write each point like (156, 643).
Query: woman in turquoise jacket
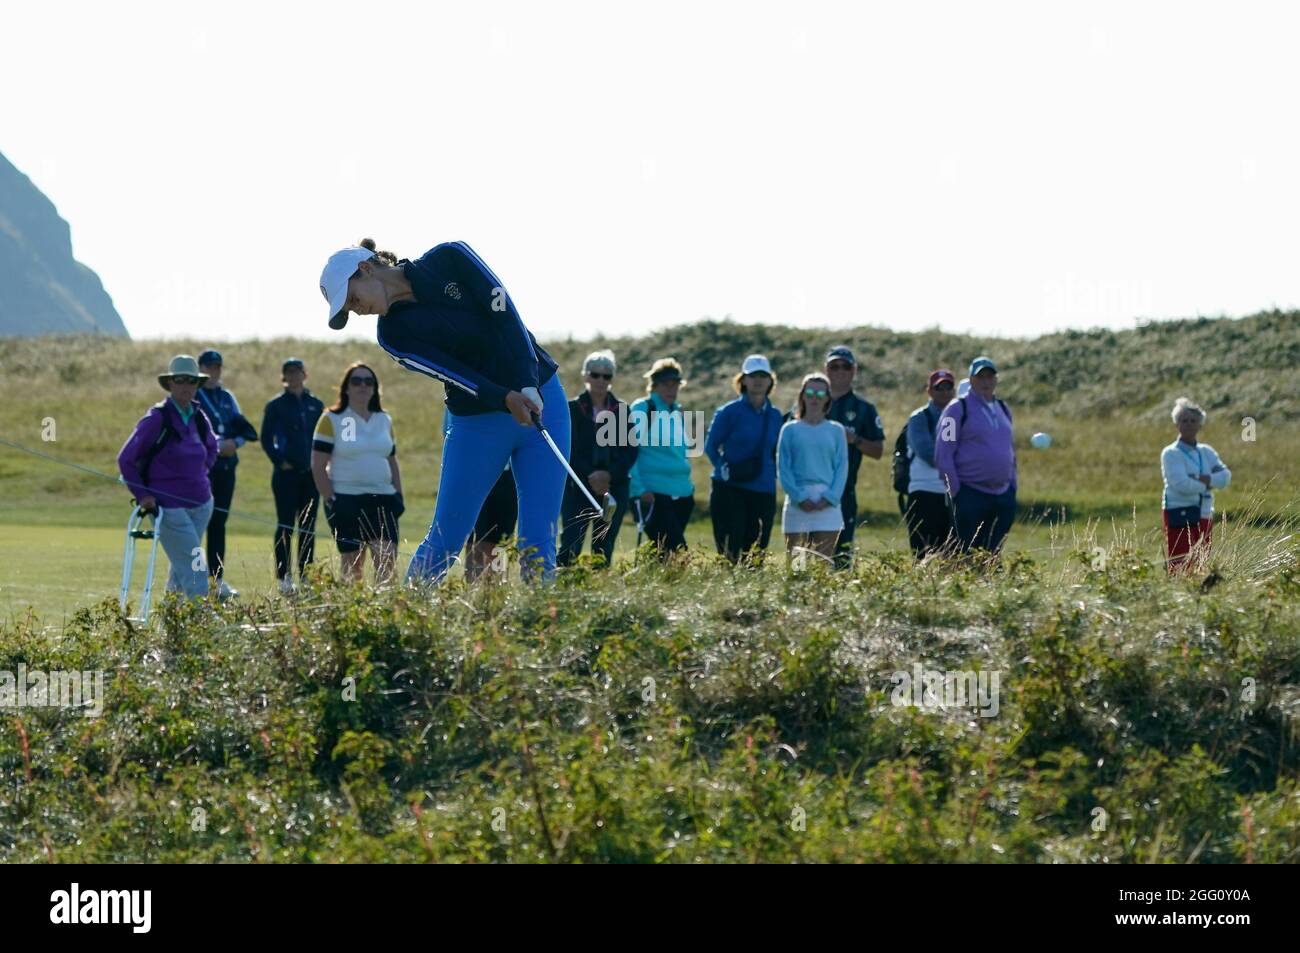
(661, 486)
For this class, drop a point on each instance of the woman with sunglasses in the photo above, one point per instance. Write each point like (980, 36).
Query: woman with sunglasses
(604, 463)
(929, 520)
(165, 463)
(813, 467)
(354, 464)
(446, 315)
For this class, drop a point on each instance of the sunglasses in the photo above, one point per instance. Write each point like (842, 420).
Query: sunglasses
(839, 366)
(184, 379)
(943, 385)
(815, 392)
(362, 381)
(600, 377)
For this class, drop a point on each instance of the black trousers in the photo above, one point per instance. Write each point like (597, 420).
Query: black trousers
(576, 515)
(844, 545)
(667, 524)
(742, 519)
(223, 491)
(295, 506)
(929, 522)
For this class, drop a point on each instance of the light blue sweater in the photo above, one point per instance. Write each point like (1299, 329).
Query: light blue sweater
(1181, 465)
(809, 456)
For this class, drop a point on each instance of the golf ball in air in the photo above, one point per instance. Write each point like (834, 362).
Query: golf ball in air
(1041, 440)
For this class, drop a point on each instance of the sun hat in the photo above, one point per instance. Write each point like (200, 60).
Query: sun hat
(182, 365)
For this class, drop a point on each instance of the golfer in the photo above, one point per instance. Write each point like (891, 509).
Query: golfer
(165, 463)
(1192, 472)
(446, 315)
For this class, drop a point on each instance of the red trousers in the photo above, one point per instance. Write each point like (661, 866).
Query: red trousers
(1180, 541)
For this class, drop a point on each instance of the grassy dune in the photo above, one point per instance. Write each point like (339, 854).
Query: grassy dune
(690, 712)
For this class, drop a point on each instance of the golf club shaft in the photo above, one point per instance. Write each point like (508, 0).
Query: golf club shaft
(559, 456)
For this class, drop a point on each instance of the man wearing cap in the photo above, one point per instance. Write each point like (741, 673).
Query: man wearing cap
(977, 460)
(233, 431)
(287, 427)
(865, 434)
(929, 522)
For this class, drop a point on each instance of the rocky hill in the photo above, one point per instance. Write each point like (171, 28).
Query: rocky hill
(43, 289)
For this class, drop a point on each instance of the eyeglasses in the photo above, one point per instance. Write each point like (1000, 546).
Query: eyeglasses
(815, 392)
(362, 381)
(600, 377)
(184, 379)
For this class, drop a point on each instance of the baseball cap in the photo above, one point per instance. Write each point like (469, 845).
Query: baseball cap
(942, 374)
(840, 353)
(756, 363)
(341, 266)
(980, 363)
(291, 362)
(210, 357)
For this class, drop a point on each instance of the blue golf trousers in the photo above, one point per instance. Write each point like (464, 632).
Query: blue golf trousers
(473, 455)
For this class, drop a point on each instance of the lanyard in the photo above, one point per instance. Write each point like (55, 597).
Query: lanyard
(1200, 462)
(210, 406)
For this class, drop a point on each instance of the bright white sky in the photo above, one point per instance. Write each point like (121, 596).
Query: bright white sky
(999, 167)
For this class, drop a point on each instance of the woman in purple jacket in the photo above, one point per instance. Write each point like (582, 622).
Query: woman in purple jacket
(165, 464)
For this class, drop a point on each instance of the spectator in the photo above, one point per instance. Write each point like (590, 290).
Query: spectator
(813, 468)
(602, 454)
(287, 427)
(975, 456)
(741, 444)
(660, 478)
(354, 466)
(929, 521)
(165, 463)
(863, 432)
(233, 431)
(1192, 472)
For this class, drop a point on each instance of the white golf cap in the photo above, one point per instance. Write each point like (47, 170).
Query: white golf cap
(341, 266)
(755, 363)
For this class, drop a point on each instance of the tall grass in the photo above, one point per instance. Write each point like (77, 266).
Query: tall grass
(682, 713)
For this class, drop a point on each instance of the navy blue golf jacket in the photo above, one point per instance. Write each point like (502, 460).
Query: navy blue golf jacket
(463, 330)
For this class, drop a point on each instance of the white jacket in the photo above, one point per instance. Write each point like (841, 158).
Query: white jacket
(1181, 465)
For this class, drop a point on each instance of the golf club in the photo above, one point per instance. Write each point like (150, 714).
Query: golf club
(607, 510)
